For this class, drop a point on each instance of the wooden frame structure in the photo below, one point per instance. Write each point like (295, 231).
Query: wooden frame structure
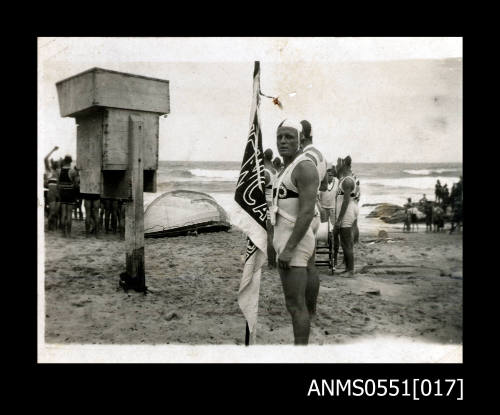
(117, 116)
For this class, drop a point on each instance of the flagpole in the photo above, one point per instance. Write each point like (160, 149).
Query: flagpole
(247, 335)
(256, 68)
(250, 197)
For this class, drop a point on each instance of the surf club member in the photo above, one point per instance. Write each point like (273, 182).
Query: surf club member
(292, 211)
(319, 161)
(66, 194)
(356, 198)
(53, 202)
(428, 216)
(92, 203)
(327, 197)
(346, 212)
(407, 221)
(270, 174)
(48, 173)
(437, 192)
(109, 214)
(78, 197)
(277, 164)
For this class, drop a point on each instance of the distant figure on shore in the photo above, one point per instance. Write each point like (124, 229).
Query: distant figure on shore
(437, 192)
(438, 218)
(346, 212)
(66, 194)
(428, 216)
(414, 218)
(294, 200)
(423, 201)
(77, 210)
(445, 196)
(456, 221)
(407, 220)
(277, 164)
(270, 175)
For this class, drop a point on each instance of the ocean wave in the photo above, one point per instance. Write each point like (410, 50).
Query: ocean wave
(422, 183)
(201, 174)
(428, 172)
(177, 173)
(216, 175)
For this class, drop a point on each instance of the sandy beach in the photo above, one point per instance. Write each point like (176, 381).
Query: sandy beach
(409, 286)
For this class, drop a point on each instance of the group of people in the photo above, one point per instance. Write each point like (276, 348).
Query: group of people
(63, 200)
(447, 205)
(305, 192)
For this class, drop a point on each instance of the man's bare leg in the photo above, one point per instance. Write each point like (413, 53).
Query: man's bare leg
(271, 253)
(96, 204)
(312, 287)
(294, 281)
(88, 216)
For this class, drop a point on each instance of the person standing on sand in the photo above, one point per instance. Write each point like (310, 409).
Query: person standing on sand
(292, 211)
(327, 197)
(78, 198)
(347, 212)
(428, 216)
(438, 218)
(50, 193)
(327, 201)
(92, 203)
(445, 196)
(66, 194)
(437, 191)
(320, 163)
(423, 201)
(277, 164)
(407, 220)
(270, 174)
(356, 198)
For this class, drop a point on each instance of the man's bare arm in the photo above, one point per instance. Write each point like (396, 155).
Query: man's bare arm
(324, 183)
(306, 179)
(267, 178)
(46, 159)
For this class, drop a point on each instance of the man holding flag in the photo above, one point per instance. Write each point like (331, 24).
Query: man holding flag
(292, 212)
(251, 214)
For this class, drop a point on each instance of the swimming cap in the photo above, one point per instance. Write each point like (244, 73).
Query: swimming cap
(306, 129)
(292, 124)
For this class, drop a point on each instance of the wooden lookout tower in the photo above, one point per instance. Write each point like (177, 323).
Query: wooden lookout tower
(117, 118)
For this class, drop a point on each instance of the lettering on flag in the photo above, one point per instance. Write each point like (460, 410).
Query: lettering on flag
(251, 214)
(250, 187)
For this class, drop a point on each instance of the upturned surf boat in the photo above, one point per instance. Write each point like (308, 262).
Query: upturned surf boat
(180, 212)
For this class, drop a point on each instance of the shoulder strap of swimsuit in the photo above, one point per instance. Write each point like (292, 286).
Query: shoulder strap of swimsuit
(290, 168)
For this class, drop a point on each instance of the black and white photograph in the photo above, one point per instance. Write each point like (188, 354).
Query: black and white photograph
(250, 200)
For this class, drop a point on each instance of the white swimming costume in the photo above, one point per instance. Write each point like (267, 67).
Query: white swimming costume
(319, 161)
(286, 204)
(352, 211)
(269, 187)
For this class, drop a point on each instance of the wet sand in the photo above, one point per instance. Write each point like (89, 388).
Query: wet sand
(409, 286)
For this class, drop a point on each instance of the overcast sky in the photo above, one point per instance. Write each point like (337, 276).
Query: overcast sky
(377, 99)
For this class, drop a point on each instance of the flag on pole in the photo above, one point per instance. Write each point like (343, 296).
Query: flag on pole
(250, 214)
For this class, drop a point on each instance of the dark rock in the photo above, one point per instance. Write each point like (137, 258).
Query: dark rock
(383, 234)
(384, 210)
(172, 316)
